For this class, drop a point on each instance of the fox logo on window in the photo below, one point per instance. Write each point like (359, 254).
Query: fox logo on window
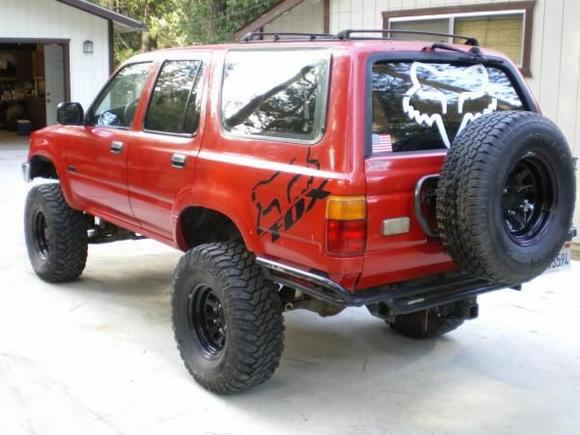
(420, 73)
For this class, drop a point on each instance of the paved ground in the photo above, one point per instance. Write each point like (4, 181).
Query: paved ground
(97, 357)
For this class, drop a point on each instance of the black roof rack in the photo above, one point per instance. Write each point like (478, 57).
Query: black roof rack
(277, 36)
(347, 34)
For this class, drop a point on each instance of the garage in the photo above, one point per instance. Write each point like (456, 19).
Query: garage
(32, 82)
(42, 65)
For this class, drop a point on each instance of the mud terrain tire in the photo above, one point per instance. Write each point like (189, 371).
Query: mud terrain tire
(55, 234)
(506, 196)
(227, 318)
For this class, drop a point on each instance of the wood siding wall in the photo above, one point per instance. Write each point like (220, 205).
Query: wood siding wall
(308, 16)
(48, 19)
(555, 59)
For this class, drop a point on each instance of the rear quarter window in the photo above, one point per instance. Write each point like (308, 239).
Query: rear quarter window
(423, 106)
(275, 93)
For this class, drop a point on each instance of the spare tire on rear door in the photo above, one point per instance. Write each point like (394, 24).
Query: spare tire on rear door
(506, 196)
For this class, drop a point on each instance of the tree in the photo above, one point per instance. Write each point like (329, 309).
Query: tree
(211, 21)
(171, 23)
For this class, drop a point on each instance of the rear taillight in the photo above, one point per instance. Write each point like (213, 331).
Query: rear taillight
(346, 225)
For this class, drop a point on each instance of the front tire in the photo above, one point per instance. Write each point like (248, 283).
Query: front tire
(226, 317)
(55, 234)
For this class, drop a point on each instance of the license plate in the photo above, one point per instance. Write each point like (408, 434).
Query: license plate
(563, 260)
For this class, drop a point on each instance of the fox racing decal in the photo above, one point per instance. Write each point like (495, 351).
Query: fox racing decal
(425, 91)
(283, 199)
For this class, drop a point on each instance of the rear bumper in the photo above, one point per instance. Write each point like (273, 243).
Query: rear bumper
(401, 298)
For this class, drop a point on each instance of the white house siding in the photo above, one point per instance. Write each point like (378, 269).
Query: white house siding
(49, 19)
(555, 59)
(306, 17)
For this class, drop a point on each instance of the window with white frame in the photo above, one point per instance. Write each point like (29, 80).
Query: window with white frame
(505, 27)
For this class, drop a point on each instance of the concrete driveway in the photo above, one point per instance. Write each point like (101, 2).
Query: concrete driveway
(97, 356)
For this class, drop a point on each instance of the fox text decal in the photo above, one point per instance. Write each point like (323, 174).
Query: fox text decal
(477, 75)
(284, 198)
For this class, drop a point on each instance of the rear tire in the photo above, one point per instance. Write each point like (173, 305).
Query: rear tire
(227, 318)
(55, 234)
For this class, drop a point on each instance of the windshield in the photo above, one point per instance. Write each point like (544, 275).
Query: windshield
(422, 106)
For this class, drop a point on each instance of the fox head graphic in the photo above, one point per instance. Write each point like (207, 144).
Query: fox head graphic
(476, 76)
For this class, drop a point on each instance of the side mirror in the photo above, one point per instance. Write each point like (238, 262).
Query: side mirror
(70, 114)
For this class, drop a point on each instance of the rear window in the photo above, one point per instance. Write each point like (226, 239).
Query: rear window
(422, 106)
(278, 93)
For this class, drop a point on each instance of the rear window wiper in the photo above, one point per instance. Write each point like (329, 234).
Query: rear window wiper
(474, 52)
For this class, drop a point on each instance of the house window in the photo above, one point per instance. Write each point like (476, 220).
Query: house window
(505, 27)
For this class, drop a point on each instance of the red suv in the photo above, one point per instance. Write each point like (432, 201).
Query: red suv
(308, 172)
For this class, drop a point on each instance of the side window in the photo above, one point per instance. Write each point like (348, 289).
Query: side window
(280, 93)
(116, 105)
(176, 100)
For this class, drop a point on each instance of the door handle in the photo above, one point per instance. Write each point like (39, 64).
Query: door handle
(178, 160)
(116, 147)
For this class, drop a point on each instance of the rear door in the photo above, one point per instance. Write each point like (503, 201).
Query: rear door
(415, 110)
(162, 162)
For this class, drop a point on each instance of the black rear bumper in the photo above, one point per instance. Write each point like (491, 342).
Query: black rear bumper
(401, 298)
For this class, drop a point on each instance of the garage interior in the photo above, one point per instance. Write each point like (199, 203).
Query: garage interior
(32, 83)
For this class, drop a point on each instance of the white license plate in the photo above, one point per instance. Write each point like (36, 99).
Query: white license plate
(563, 260)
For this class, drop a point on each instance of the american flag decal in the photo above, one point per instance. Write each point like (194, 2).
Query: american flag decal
(382, 143)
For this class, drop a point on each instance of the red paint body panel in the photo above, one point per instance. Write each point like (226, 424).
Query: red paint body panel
(138, 189)
(391, 182)
(99, 178)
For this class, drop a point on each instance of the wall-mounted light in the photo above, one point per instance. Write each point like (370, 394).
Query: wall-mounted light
(88, 47)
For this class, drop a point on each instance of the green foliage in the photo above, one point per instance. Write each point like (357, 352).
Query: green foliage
(212, 21)
(172, 23)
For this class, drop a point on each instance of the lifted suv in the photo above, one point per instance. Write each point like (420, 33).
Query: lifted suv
(313, 172)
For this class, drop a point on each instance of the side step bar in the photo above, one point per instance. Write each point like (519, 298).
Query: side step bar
(401, 298)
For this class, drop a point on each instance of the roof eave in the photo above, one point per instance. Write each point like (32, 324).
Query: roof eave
(122, 28)
(122, 22)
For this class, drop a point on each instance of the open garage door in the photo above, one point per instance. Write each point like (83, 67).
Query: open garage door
(54, 80)
(33, 81)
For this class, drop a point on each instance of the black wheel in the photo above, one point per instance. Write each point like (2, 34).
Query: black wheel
(429, 323)
(55, 234)
(227, 318)
(506, 196)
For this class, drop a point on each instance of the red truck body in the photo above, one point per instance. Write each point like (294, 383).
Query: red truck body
(138, 189)
(309, 172)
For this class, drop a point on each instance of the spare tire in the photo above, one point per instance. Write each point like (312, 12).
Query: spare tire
(506, 194)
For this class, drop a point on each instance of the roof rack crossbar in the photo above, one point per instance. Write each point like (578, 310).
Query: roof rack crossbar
(277, 36)
(347, 34)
